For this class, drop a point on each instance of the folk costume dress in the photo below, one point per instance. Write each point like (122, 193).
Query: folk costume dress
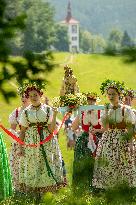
(114, 162)
(5, 176)
(41, 167)
(15, 149)
(83, 156)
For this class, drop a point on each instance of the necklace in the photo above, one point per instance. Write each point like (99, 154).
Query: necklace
(37, 106)
(116, 107)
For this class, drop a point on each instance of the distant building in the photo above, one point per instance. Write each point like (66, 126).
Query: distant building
(73, 30)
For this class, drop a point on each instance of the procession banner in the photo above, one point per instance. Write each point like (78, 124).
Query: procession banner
(81, 108)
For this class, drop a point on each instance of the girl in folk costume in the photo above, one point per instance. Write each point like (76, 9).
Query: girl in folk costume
(5, 177)
(114, 160)
(41, 167)
(14, 118)
(86, 144)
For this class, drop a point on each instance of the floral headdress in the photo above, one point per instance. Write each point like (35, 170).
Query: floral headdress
(92, 95)
(33, 85)
(130, 92)
(119, 86)
(21, 90)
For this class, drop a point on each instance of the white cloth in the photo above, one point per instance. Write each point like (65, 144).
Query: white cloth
(13, 119)
(91, 144)
(70, 134)
(116, 115)
(35, 115)
(91, 117)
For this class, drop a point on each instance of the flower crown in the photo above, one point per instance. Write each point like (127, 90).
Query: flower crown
(21, 90)
(92, 95)
(38, 85)
(112, 84)
(130, 92)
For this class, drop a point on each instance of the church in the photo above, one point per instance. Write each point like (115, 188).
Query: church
(73, 30)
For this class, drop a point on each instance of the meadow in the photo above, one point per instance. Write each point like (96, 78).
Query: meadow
(90, 71)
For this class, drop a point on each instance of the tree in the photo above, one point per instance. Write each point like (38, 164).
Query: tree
(91, 43)
(14, 9)
(86, 41)
(62, 40)
(98, 44)
(32, 66)
(126, 40)
(114, 42)
(39, 33)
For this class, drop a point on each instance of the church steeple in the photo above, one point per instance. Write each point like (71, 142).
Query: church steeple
(69, 13)
(73, 29)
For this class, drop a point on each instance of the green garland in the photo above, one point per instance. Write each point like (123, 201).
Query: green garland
(113, 84)
(37, 84)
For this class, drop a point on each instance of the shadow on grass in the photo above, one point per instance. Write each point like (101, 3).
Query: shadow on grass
(121, 194)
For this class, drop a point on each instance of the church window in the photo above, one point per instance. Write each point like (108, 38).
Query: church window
(74, 28)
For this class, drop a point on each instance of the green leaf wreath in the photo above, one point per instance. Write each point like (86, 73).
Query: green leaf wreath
(37, 84)
(113, 84)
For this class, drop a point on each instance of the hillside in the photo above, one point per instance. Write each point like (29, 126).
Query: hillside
(100, 16)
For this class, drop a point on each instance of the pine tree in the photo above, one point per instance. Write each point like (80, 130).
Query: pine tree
(126, 40)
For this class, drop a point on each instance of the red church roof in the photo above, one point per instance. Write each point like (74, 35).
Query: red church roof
(69, 19)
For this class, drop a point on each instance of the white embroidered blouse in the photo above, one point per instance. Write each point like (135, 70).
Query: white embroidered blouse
(116, 114)
(35, 115)
(91, 117)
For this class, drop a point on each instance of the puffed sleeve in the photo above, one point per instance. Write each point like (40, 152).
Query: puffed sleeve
(80, 117)
(129, 115)
(86, 118)
(23, 120)
(12, 118)
(103, 118)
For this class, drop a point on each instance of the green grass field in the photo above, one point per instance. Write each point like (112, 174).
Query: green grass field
(90, 71)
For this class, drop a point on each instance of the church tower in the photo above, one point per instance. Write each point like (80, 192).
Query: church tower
(73, 30)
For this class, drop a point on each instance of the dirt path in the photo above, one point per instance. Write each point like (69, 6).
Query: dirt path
(68, 60)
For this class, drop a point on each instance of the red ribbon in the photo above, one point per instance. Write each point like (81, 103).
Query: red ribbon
(48, 138)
